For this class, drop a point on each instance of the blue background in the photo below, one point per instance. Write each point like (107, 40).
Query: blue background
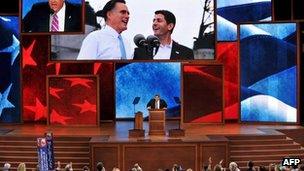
(145, 80)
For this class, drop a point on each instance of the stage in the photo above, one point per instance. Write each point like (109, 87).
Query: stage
(118, 131)
(111, 144)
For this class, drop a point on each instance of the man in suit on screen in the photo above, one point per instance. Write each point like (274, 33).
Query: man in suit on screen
(163, 25)
(157, 103)
(53, 16)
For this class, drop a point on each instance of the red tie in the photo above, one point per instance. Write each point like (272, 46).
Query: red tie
(55, 24)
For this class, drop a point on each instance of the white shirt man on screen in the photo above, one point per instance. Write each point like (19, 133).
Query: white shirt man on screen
(107, 43)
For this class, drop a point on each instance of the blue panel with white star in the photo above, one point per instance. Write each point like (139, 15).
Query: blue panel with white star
(9, 70)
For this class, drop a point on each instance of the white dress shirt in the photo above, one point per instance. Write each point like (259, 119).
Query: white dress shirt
(103, 45)
(157, 104)
(61, 18)
(164, 51)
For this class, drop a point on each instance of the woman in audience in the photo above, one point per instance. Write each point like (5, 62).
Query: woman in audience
(233, 166)
(21, 167)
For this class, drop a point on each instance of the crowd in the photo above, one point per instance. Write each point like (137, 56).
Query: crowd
(207, 167)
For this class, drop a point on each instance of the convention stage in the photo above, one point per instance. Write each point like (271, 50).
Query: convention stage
(111, 144)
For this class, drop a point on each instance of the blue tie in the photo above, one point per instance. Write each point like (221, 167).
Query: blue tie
(122, 48)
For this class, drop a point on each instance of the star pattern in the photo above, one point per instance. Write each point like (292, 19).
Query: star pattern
(79, 81)
(86, 106)
(96, 67)
(54, 92)
(27, 55)
(39, 109)
(4, 102)
(57, 118)
(13, 49)
(57, 67)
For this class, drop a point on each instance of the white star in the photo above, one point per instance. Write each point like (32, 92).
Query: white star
(4, 103)
(13, 49)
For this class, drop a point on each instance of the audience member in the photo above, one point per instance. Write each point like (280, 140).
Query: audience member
(137, 167)
(21, 167)
(69, 167)
(6, 167)
(86, 168)
(250, 166)
(233, 166)
(262, 168)
(100, 166)
(115, 169)
(58, 168)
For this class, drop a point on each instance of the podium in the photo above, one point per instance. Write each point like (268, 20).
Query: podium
(157, 120)
(138, 130)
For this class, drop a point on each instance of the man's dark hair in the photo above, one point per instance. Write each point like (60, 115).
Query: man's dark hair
(99, 166)
(109, 6)
(250, 164)
(169, 17)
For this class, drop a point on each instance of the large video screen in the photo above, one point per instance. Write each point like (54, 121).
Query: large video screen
(10, 70)
(145, 80)
(27, 4)
(195, 32)
(230, 13)
(203, 93)
(268, 65)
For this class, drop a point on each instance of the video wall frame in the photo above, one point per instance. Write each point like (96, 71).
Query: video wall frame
(280, 68)
(54, 65)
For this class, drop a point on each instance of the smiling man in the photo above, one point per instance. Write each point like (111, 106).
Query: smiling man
(53, 16)
(107, 43)
(163, 25)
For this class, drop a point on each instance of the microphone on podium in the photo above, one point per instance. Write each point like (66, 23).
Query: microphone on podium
(140, 40)
(154, 43)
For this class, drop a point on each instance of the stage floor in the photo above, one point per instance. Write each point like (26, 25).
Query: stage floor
(118, 132)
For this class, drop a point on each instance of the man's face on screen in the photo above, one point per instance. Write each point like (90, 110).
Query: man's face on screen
(118, 17)
(56, 5)
(160, 26)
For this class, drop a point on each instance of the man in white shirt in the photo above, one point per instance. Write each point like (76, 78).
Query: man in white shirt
(163, 25)
(107, 43)
(53, 16)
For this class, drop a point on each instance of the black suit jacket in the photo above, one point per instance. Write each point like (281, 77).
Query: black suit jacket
(38, 18)
(162, 104)
(179, 52)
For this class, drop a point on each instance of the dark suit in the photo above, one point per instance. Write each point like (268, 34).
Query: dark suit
(38, 18)
(162, 104)
(179, 52)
